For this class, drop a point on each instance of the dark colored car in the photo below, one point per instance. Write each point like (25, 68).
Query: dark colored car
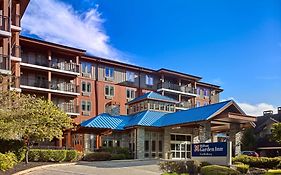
(250, 153)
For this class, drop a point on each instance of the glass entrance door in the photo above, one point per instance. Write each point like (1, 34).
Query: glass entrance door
(180, 146)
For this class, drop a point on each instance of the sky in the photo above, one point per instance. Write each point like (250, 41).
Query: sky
(235, 44)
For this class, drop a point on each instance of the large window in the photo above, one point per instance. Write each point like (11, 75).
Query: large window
(149, 80)
(86, 87)
(109, 90)
(86, 106)
(130, 76)
(131, 93)
(109, 72)
(180, 146)
(86, 69)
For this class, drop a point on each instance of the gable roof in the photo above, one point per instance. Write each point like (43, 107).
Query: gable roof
(153, 96)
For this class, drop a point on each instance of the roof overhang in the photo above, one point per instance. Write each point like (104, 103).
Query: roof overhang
(175, 73)
(23, 6)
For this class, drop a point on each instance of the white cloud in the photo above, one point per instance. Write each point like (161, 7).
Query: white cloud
(255, 109)
(55, 21)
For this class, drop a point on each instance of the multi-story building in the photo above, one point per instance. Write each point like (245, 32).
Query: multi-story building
(11, 12)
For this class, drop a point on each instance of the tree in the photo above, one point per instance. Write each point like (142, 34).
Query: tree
(249, 140)
(276, 132)
(30, 118)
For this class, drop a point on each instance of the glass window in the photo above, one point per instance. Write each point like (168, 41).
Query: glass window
(160, 146)
(173, 137)
(146, 146)
(198, 104)
(83, 86)
(149, 80)
(153, 145)
(130, 76)
(109, 90)
(206, 92)
(109, 72)
(86, 67)
(131, 93)
(83, 104)
(88, 106)
(88, 87)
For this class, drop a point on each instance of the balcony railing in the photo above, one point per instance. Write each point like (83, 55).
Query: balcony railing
(185, 104)
(176, 87)
(4, 62)
(65, 66)
(16, 51)
(69, 107)
(43, 83)
(5, 23)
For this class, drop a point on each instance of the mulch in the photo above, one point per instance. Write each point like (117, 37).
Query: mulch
(23, 166)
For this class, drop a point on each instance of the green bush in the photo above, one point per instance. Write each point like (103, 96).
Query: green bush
(15, 146)
(49, 155)
(179, 167)
(242, 168)
(118, 156)
(97, 156)
(175, 174)
(71, 155)
(205, 164)
(218, 170)
(259, 162)
(7, 161)
(273, 172)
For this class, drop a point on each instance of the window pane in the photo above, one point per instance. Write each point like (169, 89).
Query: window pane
(89, 87)
(89, 106)
(83, 86)
(173, 137)
(160, 146)
(146, 146)
(106, 90)
(128, 93)
(112, 91)
(83, 105)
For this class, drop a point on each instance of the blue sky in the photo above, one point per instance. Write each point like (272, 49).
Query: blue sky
(235, 44)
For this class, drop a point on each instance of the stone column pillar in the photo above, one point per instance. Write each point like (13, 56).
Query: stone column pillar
(235, 135)
(140, 143)
(205, 134)
(195, 133)
(167, 142)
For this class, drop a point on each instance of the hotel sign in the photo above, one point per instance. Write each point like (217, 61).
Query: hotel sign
(209, 149)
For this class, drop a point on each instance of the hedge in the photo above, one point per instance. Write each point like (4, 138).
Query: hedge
(7, 161)
(273, 172)
(218, 170)
(242, 168)
(259, 162)
(180, 166)
(97, 156)
(49, 155)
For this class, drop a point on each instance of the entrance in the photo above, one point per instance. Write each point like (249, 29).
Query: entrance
(180, 146)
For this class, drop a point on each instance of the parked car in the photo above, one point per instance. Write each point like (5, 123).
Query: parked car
(250, 153)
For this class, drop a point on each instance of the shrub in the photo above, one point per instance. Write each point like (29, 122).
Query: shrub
(118, 156)
(71, 155)
(15, 146)
(205, 164)
(175, 174)
(242, 168)
(7, 161)
(49, 155)
(97, 156)
(273, 172)
(259, 162)
(218, 170)
(181, 166)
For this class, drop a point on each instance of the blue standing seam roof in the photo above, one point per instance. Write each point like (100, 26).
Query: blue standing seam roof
(154, 96)
(154, 118)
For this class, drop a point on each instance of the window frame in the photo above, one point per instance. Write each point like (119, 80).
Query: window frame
(130, 76)
(149, 80)
(110, 72)
(109, 90)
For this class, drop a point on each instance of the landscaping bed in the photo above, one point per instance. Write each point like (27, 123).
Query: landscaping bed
(23, 166)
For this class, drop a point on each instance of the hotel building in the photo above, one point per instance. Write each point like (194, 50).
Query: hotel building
(89, 88)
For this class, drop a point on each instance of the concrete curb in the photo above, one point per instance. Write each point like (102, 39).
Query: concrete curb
(43, 166)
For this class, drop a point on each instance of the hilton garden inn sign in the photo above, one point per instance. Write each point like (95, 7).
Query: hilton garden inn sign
(215, 153)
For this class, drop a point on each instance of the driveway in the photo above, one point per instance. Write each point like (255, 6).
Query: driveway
(130, 167)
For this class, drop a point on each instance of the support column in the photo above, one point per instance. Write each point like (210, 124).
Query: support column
(68, 139)
(235, 137)
(97, 141)
(167, 143)
(140, 143)
(205, 134)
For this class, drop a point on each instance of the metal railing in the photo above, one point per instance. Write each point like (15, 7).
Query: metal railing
(69, 107)
(73, 67)
(176, 87)
(16, 51)
(43, 83)
(5, 23)
(185, 104)
(4, 62)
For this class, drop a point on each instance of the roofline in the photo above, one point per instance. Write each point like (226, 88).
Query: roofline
(179, 73)
(210, 85)
(23, 5)
(154, 99)
(117, 63)
(51, 44)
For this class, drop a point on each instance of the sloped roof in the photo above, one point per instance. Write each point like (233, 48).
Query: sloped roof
(153, 96)
(106, 121)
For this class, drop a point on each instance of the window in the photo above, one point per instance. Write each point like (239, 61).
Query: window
(109, 72)
(146, 146)
(149, 80)
(83, 86)
(130, 76)
(86, 68)
(88, 87)
(206, 92)
(109, 90)
(86, 105)
(131, 93)
(198, 104)
(205, 103)
(198, 91)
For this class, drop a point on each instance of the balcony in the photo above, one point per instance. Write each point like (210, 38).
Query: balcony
(16, 53)
(69, 108)
(72, 67)
(61, 67)
(5, 29)
(175, 88)
(184, 105)
(47, 86)
(4, 64)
